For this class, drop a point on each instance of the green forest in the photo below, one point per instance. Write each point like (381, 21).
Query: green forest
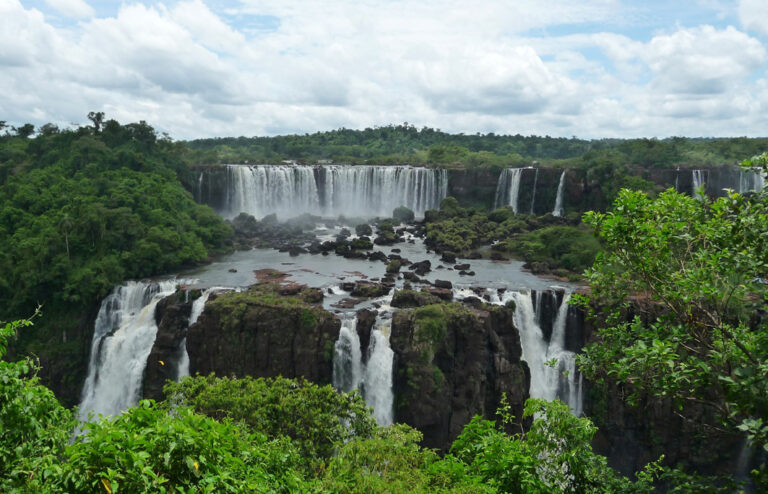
(406, 144)
(84, 209)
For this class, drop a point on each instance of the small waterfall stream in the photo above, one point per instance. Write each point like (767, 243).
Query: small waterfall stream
(348, 360)
(508, 188)
(123, 336)
(750, 181)
(698, 181)
(533, 193)
(197, 309)
(559, 210)
(372, 377)
(553, 368)
(377, 384)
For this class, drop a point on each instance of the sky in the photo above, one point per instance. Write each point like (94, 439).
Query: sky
(207, 68)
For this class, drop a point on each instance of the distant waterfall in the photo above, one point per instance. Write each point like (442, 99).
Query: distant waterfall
(750, 181)
(553, 368)
(374, 377)
(533, 193)
(332, 190)
(508, 188)
(123, 336)
(698, 181)
(559, 211)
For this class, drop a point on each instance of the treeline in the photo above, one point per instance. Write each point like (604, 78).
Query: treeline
(405, 143)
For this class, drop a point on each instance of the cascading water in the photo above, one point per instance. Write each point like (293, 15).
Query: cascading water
(559, 210)
(508, 188)
(123, 336)
(332, 190)
(197, 309)
(347, 361)
(553, 368)
(569, 380)
(378, 376)
(750, 181)
(533, 193)
(698, 181)
(374, 377)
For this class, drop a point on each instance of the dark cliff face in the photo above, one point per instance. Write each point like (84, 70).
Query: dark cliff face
(451, 363)
(633, 436)
(473, 187)
(584, 189)
(63, 357)
(172, 316)
(258, 333)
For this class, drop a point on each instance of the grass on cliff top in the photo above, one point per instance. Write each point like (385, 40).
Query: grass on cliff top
(233, 305)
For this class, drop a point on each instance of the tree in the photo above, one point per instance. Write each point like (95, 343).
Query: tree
(554, 455)
(35, 427)
(25, 130)
(693, 273)
(317, 418)
(98, 119)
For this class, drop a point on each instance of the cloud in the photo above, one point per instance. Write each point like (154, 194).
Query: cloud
(194, 70)
(77, 9)
(754, 15)
(703, 60)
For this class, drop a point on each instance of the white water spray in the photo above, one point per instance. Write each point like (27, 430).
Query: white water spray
(374, 377)
(553, 368)
(290, 190)
(698, 181)
(123, 336)
(508, 188)
(559, 210)
(378, 376)
(197, 309)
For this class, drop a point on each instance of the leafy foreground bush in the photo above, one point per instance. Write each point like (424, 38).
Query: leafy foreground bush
(165, 447)
(316, 418)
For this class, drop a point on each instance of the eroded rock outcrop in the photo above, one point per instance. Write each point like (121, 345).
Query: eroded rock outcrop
(263, 334)
(453, 362)
(172, 318)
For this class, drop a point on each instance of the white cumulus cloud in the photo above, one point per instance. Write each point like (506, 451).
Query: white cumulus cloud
(72, 8)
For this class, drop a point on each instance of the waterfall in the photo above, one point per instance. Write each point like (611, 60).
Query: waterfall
(347, 361)
(750, 181)
(532, 342)
(559, 211)
(553, 368)
(533, 194)
(508, 188)
(374, 378)
(698, 181)
(332, 190)
(378, 376)
(123, 336)
(569, 380)
(197, 308)
(677, 179)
